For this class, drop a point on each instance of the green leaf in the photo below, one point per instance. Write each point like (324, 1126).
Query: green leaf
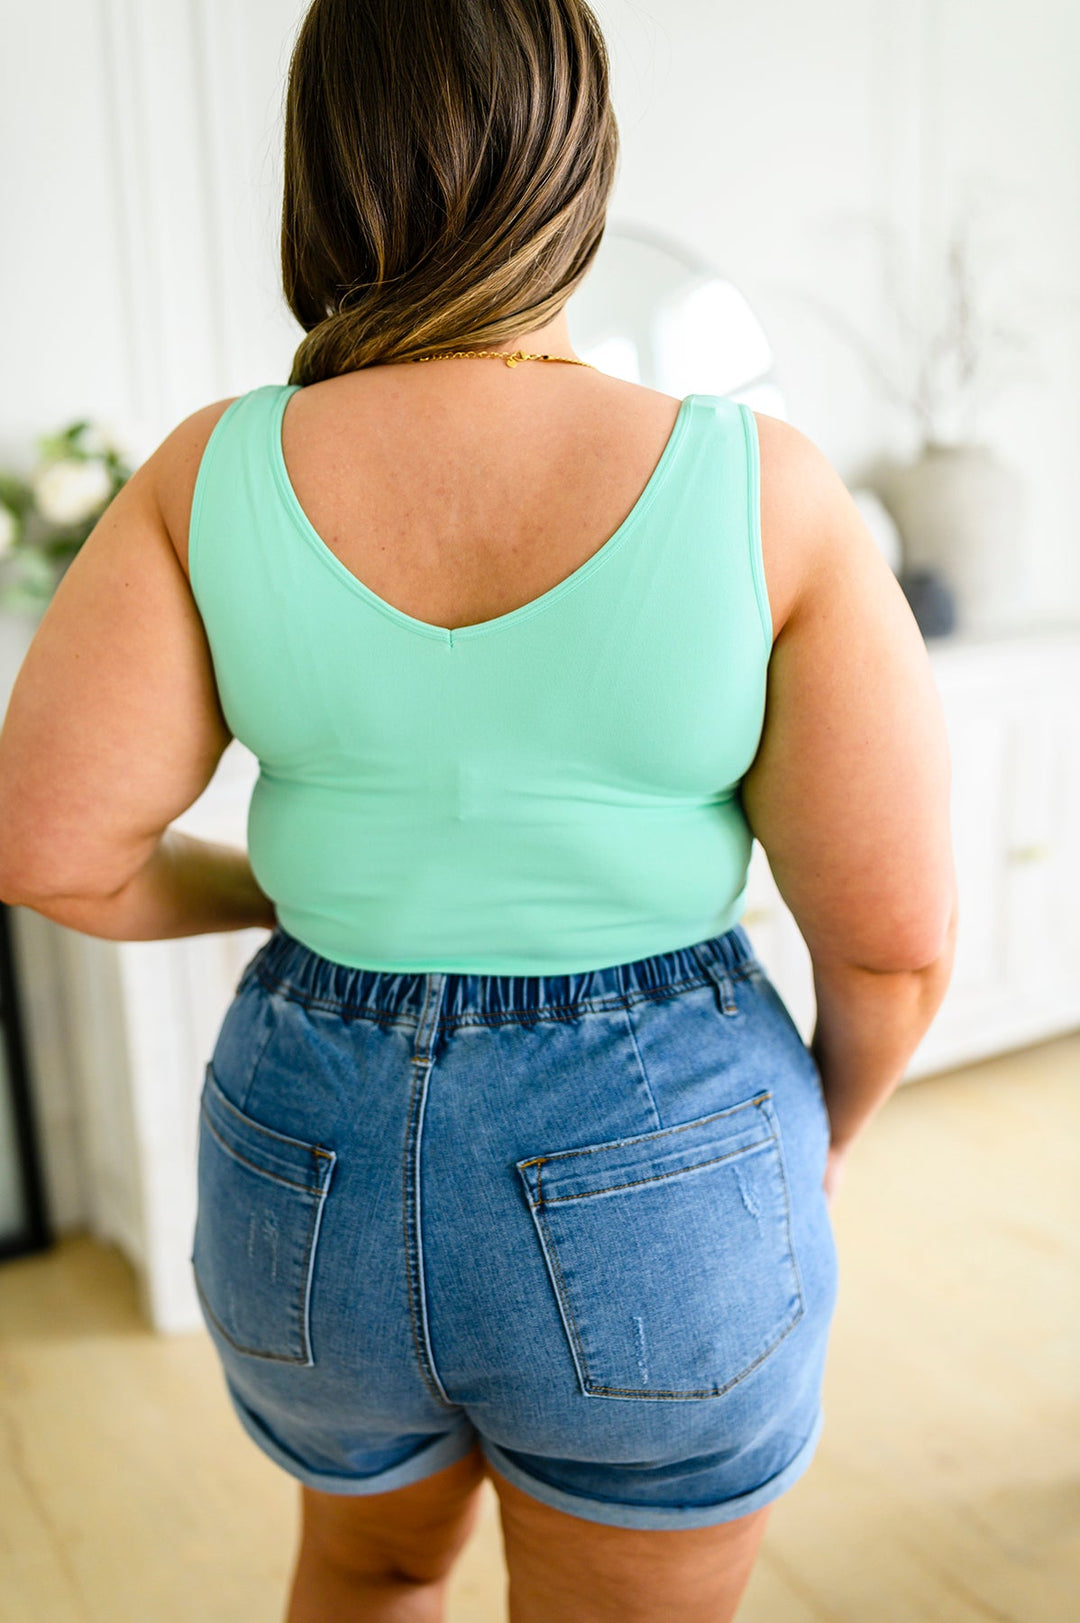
(15, 493)
(18, 598)
(35, 570)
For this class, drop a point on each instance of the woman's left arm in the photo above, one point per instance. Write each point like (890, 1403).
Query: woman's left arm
(114, 728)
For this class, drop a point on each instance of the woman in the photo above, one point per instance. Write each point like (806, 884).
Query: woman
(511, 1160)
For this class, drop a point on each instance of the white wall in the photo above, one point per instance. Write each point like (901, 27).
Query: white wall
(141, 172)
(757, 132)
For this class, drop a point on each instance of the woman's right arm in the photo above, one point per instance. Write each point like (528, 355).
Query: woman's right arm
(849, 791)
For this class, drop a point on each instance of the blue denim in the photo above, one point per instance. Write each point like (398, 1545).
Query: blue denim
(577, 1218)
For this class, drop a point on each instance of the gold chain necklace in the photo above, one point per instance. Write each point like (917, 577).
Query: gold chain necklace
(511, 357)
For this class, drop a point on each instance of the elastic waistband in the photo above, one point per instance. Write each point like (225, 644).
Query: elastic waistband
(284, 964)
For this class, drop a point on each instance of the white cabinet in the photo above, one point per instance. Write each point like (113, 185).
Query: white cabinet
(118, 1032)
(1012, 709)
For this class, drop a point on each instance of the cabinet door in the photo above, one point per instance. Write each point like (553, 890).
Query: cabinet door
(980, 754)
(979, 745)
(1064, 910)
(1015, 745)
(1041, 857)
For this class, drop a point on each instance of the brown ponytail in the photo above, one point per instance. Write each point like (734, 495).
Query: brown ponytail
(447, 170)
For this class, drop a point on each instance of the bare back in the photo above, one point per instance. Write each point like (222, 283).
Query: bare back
(458, 499)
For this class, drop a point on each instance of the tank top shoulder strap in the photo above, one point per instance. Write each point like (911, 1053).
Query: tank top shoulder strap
(235, 492)
(728, 449)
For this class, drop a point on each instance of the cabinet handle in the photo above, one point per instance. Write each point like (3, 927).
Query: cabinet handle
(1029, 853)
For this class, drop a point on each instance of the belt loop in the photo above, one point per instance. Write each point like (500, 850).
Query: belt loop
(725, 988)
(430, 1017)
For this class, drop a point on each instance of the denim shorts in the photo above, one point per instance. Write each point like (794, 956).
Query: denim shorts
(577, 1219)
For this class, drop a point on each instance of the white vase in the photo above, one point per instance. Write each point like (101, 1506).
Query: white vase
(961, 511)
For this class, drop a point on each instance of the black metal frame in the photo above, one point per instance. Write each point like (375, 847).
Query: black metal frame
(35, 1234)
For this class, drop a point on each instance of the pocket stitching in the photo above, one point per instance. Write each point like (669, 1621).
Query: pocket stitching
(317, 1200)
(643, 1138)
(307, 1269)
(713, 1391)
(592, 1388)
(268, 1132)
(790, 1242)
(303, 1357)
(676, 1172)
(563, 1300)
(264, 1172)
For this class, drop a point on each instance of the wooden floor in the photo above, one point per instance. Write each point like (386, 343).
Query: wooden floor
(946, 1486)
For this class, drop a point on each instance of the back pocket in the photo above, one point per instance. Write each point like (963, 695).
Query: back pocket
(670, 1253)
(261, 1198)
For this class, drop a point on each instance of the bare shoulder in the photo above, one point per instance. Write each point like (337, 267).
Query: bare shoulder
(173, 469)
(806, 514)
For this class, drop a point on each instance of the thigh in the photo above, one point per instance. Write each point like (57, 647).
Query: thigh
(561, 1566)
(415, 1532)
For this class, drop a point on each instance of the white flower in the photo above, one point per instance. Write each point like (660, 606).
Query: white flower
(9, 529)
(98, 439)
(132, 439)
(69, 491)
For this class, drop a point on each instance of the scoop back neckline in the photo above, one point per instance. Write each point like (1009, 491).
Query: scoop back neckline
(447, 634)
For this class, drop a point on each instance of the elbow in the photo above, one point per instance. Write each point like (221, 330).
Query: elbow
(53, 867)
(16, 888)
(24, 884)
(931, 947)
(947, 944)
(904, 945)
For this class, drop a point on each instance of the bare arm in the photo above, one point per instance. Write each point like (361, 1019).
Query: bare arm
(114, 728)
(849, 791)
(868, 1026)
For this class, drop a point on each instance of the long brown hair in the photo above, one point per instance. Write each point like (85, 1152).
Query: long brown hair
(447, 170)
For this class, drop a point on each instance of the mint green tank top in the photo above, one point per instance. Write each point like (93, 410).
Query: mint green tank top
(547, 792)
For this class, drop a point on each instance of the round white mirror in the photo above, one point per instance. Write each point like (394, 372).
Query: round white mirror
(651, 311)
